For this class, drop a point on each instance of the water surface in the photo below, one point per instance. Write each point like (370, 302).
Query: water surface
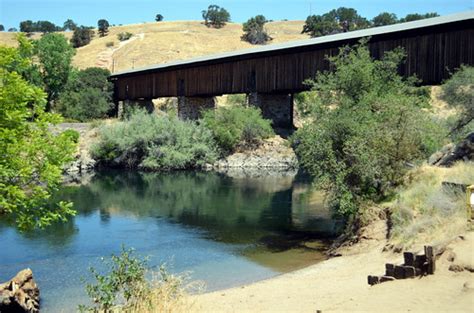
(226, 230)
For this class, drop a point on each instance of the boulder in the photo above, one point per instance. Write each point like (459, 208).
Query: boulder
(20, 294)
(449, 154)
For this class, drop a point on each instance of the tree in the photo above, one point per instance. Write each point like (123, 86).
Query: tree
(82, 36)
(2, 28)
(69, 24)
(368, 124)
(254, 31)
(55, 56)
(159, 18)
(12, 29)
(87, 95)
(32, 156)
(333, 22)
(103, 27)
(384, 18)
(27, 27)
(415, 17)
(215, 16)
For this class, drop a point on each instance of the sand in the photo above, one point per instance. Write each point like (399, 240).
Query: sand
(340, 285)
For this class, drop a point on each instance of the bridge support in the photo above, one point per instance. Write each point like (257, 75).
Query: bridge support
(276, 107)
(190, 108)
(126, 105)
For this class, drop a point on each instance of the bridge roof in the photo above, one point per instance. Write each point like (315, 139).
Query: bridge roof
(436, 21)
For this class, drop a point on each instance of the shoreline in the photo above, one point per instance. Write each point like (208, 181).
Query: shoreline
(339, 284)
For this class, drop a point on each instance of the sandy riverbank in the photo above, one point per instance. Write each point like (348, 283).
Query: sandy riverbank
(340, 285)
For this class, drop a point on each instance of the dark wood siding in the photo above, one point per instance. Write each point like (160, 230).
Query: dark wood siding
(432, 52)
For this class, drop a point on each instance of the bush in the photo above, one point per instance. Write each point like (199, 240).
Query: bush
(458, 92)
(109, 44)
(368, 125)
(215, 16)
(87, 95)
(124, 36)
(72, 135)
(254, 31)
(152, 142)
(237, 126)
(81, 36)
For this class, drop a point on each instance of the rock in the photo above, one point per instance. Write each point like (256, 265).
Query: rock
(456, 268)
(449, 154)
(20, 294)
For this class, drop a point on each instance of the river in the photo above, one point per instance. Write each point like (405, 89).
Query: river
(225, 230)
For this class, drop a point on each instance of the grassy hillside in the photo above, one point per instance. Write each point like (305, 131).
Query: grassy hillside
(155, 43)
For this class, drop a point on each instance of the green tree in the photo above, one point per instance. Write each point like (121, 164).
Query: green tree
(55, 57)
(254, 30)
(415, 17)
(2, 28)
(368, 125)
(82, 36)
(215, 16)
(103, 27)
(458, 92)
(32, 156)
(159, 18)
(317, 25)
(69, 24)
(27, 27)
(384, 18)
(87, 95)
(12, 29)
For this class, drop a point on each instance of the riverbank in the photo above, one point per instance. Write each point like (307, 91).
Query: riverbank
(340, 285)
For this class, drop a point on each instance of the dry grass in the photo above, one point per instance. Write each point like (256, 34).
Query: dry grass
(425, 211)
(156, 43)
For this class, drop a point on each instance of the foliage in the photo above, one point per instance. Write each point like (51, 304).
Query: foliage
(159, 18)
(32, 157)
(82, 36)
(215, 16)
(237, 126)
(126, 278)
(69, 24)
(87, 95)
(415, 17)
(55, 57)
(458, 92)
(103, 27)
(29, 26)
(152, 142)
(109, 44)
(368, 125)
(425, 210)
(384, 18)
(124, 36)
(12, 29)
(254, 31)
(2, 28)
(335, 21)
(72, 134)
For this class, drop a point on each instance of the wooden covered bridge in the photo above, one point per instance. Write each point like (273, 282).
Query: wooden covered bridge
(271, 74)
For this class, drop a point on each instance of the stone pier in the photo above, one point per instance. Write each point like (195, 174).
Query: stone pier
(276, 107)
(126, 105)
(190, 108)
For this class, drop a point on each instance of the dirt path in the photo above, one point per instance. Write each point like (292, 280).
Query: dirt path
(340, 285)
(105, 59)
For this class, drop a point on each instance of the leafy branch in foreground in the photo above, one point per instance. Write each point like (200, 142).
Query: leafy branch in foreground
(31, 155)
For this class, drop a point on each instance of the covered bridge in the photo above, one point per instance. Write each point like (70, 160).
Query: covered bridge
(271, 74)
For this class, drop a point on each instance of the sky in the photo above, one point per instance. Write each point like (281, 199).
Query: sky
(88, 12)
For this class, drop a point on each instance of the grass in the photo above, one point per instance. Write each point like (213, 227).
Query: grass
(425, 211)
(169, 41)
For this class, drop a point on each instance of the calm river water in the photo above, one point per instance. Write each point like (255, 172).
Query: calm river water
(226, 230)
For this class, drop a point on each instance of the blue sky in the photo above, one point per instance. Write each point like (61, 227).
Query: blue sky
(87, 12)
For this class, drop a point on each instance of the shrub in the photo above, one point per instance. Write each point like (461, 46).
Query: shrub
(102, 27)
(159, 18)
(109, 44)
(458, 92)
(237, 126)
(254, 31)
(87, 95)
(152, 142)
(124, 36)
(72, 134)
(81, 36)
(368, 125)
(215, 16)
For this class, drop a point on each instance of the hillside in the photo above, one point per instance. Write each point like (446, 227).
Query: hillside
(155, 43)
